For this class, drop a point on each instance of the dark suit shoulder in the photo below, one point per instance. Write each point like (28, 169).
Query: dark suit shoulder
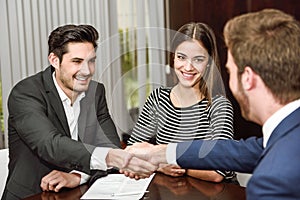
(29, 81)
(32, 87)
(34, 81)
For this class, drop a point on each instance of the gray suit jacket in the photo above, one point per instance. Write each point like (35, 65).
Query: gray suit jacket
(39, 136)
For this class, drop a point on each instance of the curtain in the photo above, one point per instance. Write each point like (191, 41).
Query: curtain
(144, 22)
(25, 26)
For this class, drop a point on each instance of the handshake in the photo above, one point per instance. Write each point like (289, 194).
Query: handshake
(139, 160)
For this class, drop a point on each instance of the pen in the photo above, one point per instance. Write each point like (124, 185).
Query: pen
(127, 193)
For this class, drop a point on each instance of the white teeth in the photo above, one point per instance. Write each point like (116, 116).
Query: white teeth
(81, 78)
(187, 75)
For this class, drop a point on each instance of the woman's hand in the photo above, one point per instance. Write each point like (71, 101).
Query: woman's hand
(171, 170)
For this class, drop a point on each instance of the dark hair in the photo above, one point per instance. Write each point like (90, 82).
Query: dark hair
(206, 37)
(61, 36)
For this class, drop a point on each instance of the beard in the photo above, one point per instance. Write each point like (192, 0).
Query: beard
(71, 86)
(243, 101)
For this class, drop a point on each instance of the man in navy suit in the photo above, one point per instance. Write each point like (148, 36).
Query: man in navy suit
(264, 70)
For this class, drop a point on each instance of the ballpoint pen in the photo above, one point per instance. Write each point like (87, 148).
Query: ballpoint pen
(127, 193)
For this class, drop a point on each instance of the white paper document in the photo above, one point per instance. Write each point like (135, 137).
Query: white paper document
(118, 186)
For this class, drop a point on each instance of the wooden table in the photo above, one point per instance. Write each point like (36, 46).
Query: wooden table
(165, 187)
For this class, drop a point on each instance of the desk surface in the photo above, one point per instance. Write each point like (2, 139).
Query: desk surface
(165, 187)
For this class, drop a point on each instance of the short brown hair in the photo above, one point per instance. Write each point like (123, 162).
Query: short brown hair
(268, 41)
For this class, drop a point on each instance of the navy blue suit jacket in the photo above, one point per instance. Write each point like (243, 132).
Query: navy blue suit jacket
(275, 168)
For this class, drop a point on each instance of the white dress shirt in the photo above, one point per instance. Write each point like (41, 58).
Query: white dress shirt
(72, 113)
(276, 118)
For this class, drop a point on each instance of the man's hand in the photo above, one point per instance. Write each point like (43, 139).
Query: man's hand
(156, 154)
(125, 161)
(56, 180)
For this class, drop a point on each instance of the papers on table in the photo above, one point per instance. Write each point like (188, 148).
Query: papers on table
(118, 186)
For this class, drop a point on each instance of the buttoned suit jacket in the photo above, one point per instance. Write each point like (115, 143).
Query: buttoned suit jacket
(39, 135)
(275, 168)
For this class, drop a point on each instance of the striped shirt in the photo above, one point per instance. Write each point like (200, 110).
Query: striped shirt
(162, 121)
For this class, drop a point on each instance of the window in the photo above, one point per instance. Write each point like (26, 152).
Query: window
(143, 67)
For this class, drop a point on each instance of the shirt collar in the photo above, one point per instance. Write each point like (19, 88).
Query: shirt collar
(276, 118)
(62, 94)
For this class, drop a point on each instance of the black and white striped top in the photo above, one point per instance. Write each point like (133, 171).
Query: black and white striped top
(161, 120)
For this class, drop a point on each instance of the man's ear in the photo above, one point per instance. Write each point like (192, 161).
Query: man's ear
(53, 60)
(248, 78)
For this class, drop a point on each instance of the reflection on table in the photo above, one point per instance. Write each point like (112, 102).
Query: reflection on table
(66, 194)
(188, 188)
(165, 187)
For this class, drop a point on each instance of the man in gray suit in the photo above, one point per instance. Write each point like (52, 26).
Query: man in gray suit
(59, 125)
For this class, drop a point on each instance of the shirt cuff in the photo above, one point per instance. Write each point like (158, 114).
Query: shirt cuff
(98, 159)
(171, 153)
(84, 177)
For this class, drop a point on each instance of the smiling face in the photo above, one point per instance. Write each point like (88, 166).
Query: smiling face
(190, 62)
(76, 69)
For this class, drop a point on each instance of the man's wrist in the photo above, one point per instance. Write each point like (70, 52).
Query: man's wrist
(78, 177)
(117, 158)
(171, 153)
(83, 176)
(109, 158)
(159, 154)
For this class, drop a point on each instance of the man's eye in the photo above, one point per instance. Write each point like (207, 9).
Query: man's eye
(92, 61)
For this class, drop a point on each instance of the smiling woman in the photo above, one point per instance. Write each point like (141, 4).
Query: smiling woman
(196, 107)
(190, 63)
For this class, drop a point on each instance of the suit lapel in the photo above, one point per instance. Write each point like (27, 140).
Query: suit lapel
(54, 99)
(289, 123)
(82, 118)
(86, 104)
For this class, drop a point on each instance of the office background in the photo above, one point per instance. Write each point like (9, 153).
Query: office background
(132, 58)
